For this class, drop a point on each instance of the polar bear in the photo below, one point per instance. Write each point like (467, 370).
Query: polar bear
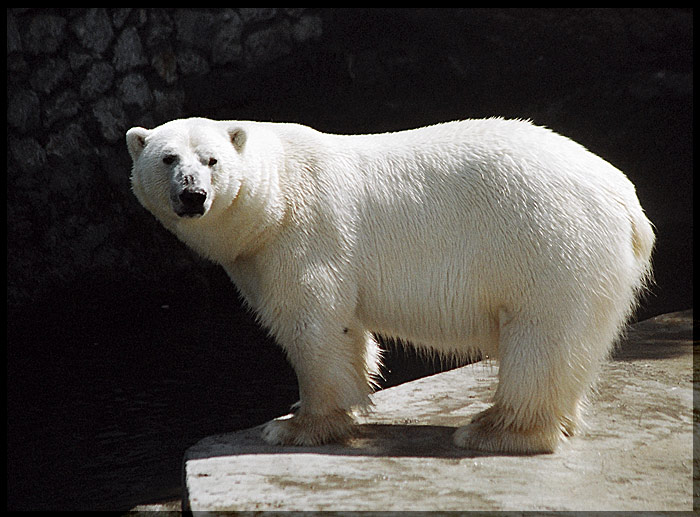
(492, 236)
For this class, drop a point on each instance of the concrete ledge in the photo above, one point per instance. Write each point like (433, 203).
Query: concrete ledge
(637, 454)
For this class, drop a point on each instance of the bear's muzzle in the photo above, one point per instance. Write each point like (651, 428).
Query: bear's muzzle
(191, 202)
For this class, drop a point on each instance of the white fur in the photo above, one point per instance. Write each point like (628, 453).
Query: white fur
(491, 236)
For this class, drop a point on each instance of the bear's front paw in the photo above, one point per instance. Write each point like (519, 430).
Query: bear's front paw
(494, 431)
(309, 430)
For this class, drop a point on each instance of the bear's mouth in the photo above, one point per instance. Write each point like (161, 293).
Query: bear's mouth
(188, 213)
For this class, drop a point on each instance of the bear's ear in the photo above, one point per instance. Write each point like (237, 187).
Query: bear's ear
(238, 137)
(136, 141)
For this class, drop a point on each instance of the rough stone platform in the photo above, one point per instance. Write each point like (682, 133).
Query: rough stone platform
(636, 455)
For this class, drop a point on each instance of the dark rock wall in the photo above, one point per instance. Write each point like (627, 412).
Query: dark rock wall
(617, 80)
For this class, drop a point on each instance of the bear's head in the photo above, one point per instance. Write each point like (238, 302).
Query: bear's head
(183, 169)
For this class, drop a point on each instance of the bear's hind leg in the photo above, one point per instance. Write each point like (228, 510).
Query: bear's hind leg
(543, 378)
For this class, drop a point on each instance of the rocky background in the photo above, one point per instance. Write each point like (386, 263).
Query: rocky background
(125, 347)
(617, 80)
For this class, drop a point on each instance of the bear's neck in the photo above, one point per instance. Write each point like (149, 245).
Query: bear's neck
(242, 228)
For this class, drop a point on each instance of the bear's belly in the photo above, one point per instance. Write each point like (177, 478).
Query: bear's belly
(451, 323)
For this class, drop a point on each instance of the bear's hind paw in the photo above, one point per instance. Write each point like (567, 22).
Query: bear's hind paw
(488, 433)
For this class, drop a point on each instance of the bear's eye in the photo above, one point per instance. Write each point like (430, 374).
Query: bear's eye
(169, 159)
(212, 162)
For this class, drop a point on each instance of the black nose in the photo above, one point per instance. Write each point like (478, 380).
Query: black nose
(192, 202)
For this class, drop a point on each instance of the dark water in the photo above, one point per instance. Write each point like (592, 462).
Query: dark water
(106, 391)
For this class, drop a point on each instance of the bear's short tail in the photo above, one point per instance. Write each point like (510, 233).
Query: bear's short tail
(642, 244)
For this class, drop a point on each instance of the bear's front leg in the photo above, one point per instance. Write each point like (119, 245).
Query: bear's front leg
(336, 366)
